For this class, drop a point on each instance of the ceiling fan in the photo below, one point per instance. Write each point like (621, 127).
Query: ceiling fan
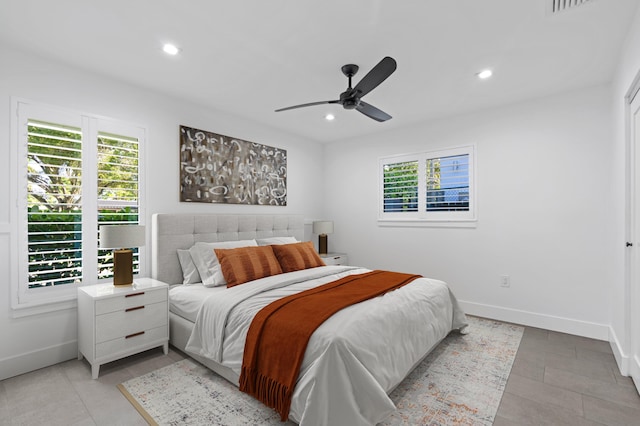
(351, 98)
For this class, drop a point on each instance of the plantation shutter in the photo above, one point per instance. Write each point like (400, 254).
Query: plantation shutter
(74, 171)
(118, 190)
(448, 183)
(400, 186)
(54, 209)
(435, 188)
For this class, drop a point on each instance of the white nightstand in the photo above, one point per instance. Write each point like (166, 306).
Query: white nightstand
(115, 322)
(334, 258)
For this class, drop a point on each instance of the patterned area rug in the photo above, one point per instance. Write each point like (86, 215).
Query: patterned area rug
(460, 383)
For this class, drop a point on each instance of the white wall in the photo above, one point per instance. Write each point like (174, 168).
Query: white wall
(544, 171)
(627, 70)
(36, 341)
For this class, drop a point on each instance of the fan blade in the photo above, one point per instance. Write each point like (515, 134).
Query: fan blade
(377, 75)
(306, 105)
(372, 112)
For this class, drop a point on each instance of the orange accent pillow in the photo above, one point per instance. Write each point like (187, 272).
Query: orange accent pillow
(294, 257)
(244, 264)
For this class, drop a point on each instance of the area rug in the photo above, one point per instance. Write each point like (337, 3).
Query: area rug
(460, 383)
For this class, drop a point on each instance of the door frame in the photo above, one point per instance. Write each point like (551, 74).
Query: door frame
(630, 364)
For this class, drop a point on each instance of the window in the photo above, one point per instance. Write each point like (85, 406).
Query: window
(433, 188)
(118, 189)
(54, 204)
(400, 186)
(74, 172)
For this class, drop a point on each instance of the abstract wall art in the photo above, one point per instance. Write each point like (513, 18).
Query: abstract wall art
(222, 169)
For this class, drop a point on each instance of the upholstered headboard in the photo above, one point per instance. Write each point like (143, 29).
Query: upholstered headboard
(171, 232)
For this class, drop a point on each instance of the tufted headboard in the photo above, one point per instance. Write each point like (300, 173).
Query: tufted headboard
(171, 232)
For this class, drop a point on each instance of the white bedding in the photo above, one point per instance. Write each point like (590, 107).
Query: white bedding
(186, 300)
(353, 359)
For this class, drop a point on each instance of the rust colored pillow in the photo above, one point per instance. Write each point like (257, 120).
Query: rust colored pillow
(294, 257)
(244, 264)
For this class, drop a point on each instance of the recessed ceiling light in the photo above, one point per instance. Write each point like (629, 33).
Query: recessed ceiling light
(329, 117)
(170, 49)
(484, 74)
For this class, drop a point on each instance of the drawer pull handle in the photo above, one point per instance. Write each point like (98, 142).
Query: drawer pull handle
(135, 294)
(336, 258)
(134, 334)
(134, 309)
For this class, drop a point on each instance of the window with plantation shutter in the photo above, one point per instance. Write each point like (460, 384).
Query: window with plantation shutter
(431, 188)
(54, 209)
(74, 172)
(448, 183)
(117, 191)
(400, 187)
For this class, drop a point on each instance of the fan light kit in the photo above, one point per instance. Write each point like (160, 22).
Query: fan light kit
(329, 117)
(351, 98)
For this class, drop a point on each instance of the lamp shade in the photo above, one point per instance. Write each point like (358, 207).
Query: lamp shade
(323, 227)
(121, 236)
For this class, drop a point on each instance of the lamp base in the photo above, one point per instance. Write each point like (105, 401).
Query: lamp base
(122, 267)
(322, 244)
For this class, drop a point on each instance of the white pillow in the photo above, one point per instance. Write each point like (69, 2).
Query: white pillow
(276, 240)
(207, 263)
(190, 273)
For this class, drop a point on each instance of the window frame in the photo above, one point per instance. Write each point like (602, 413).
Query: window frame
(423, 217)
(28, 301)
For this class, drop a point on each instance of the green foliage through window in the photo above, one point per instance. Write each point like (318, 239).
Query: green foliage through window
(400, 190)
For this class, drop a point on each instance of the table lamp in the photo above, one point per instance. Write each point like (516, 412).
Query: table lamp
(322, 228)
(122, 238)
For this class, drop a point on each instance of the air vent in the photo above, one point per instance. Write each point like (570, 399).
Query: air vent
(560, 5)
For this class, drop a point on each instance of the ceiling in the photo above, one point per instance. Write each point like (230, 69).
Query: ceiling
(250, 57)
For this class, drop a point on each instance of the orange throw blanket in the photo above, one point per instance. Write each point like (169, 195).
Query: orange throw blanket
(278, 335)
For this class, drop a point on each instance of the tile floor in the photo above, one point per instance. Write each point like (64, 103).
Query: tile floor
(560, 379)
(65, 394)
(557, 379)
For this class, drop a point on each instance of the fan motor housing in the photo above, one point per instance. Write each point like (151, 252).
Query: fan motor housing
(351, 103)
(349, 99)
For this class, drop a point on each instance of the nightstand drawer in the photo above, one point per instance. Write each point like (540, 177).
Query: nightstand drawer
(133, 320)
(137, 298)
(134, 340)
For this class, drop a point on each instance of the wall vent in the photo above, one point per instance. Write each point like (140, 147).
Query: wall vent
(561, 5)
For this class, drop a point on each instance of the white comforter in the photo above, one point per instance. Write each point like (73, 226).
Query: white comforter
(354, 359)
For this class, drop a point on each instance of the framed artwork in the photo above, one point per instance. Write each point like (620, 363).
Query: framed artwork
(222, 169)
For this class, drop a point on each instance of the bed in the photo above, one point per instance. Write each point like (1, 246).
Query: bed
(353, 360)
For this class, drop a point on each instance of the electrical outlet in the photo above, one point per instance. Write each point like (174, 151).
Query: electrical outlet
(505, 281)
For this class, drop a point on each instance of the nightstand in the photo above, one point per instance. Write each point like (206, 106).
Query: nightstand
(118, 321)
(334, 259)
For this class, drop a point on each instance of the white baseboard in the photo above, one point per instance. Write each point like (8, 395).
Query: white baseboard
(35, 360)
(634, 371)
(532, 319)
(622, 359)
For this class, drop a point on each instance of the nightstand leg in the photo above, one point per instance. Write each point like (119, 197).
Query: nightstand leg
(165, 348)
(95, 371)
